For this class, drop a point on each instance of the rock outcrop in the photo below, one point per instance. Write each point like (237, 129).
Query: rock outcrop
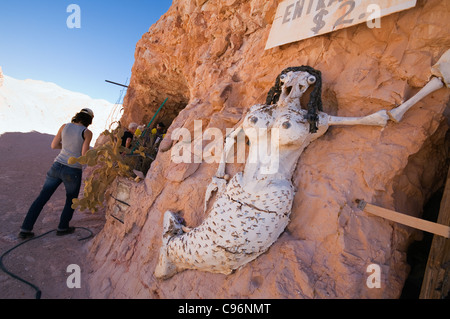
(208, 58)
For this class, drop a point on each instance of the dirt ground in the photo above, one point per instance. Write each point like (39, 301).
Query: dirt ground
(24, 161)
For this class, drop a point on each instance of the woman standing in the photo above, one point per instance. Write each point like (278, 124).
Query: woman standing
(73, 139)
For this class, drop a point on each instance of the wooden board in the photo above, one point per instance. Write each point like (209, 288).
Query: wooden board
(435, 228)
(436, 281)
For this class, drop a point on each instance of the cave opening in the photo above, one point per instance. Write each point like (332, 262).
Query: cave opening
(423, 181)
(155, 132)
(165, 100)
(418, 251)
(168, 113)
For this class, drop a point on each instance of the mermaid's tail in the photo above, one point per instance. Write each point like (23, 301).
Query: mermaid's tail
(235, 232)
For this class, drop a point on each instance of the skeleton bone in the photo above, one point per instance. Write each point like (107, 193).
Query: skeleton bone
(221, 179)
(441, 76)
(379, 118)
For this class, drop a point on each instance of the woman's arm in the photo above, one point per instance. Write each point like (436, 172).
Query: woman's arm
(87, 142)
(57, 140)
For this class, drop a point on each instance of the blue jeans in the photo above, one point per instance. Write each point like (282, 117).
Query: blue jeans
(58, 173)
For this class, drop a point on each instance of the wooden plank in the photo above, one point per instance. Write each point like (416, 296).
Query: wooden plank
(436, 281)
(407, 220)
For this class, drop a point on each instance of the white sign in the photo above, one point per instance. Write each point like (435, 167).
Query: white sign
(296, 20)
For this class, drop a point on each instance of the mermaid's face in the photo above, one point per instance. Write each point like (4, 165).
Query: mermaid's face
(293, 85)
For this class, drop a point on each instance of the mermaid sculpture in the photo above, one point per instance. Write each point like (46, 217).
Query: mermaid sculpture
(252, 209)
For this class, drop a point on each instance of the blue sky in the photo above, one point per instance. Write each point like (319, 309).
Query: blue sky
(36, 43)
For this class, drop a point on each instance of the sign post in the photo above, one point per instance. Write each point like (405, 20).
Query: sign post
(296, 20)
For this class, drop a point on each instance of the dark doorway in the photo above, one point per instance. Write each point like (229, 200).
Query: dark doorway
(418, 251)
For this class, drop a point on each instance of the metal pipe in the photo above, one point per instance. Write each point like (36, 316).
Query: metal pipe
(125, 86)
(150, 123)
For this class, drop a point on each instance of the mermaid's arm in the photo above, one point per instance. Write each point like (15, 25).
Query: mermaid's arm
(219, 180)
(379, 118)
(229, 146)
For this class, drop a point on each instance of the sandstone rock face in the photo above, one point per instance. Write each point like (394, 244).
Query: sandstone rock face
(208, 58)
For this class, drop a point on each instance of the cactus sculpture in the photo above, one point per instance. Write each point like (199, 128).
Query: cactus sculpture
(110, 161)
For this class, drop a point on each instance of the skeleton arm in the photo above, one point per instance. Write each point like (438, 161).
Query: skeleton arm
(219, 182)
(441, 77)
(229, 146)
(397, 114)
(379, 118)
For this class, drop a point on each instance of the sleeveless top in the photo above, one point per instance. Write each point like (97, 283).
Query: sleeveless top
(72, 143)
